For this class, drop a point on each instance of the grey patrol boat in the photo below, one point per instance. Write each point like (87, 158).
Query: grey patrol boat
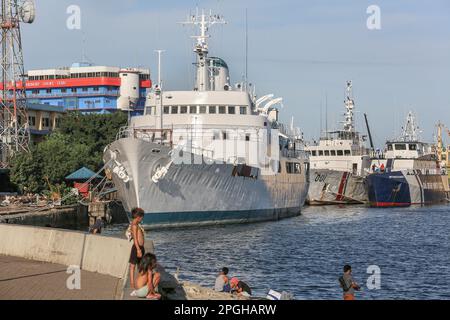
(213, 155)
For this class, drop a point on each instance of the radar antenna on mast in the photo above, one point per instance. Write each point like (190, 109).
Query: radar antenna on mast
(14, 128)
(204, 22)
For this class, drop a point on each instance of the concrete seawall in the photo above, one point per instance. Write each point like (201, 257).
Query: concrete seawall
(104, 255)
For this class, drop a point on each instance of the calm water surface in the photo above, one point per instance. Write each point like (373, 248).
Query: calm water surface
(305, 255)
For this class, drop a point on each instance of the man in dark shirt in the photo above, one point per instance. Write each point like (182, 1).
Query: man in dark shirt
(348, 285)
(240, 287)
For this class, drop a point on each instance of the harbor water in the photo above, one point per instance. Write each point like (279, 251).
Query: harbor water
(305, 255)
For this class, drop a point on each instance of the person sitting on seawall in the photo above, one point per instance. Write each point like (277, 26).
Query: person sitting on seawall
(240, 288)
(148, 278)
(348, 285)
(222, 282)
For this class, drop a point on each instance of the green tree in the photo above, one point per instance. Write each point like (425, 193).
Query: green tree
(79, 142)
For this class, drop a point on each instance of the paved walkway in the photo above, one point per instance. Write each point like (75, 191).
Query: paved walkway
(22, 279)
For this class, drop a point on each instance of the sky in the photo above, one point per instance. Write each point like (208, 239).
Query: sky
(303, 51)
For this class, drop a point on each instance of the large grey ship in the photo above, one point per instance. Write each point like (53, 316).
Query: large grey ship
(216, 154)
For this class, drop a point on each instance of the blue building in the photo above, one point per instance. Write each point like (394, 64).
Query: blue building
(89, 88)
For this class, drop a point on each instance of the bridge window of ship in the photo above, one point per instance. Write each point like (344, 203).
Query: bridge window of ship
(314, 153)
(247, 137)
(231, 110)
(183, 109)
(224, 135)
(174, 110)
(202, 109)
(320, 153)
(166, 110)
(192, 109)
(347, 152)
(333, 153)
(212, 109)
(222, 110)
(327, 153)
(293, 168)
(243, 110)
(413, 147)
(400, 146)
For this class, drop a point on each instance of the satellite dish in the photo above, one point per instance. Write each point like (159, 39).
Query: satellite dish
(27, 11)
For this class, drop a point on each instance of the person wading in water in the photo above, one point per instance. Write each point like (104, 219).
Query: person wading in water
(348, 285)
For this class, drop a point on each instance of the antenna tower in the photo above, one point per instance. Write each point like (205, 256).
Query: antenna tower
(14, 128)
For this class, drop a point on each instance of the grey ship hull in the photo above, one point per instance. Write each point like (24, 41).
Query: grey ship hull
(199, 194)
(329, 187)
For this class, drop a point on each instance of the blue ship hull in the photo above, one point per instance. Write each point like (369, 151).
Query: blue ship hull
(402, 189)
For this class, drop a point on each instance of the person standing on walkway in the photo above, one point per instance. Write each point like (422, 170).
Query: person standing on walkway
(136, 234)
(348, 285)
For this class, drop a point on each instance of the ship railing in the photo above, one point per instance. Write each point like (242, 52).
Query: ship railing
(293, 153)
(162, 136)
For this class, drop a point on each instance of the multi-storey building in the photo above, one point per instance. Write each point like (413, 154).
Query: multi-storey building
(89, 88)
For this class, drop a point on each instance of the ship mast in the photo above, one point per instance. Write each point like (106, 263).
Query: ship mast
(410, 130)
(204, 22)
(349, 123)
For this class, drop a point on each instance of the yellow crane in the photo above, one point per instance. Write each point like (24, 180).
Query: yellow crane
(443, 153)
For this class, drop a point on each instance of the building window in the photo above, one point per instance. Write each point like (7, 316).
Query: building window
(243, 110)
(212, 109)
(247, 137)
(231, 110)
(45, 122)
(32, 120)
(224, 135)
(222, 110)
